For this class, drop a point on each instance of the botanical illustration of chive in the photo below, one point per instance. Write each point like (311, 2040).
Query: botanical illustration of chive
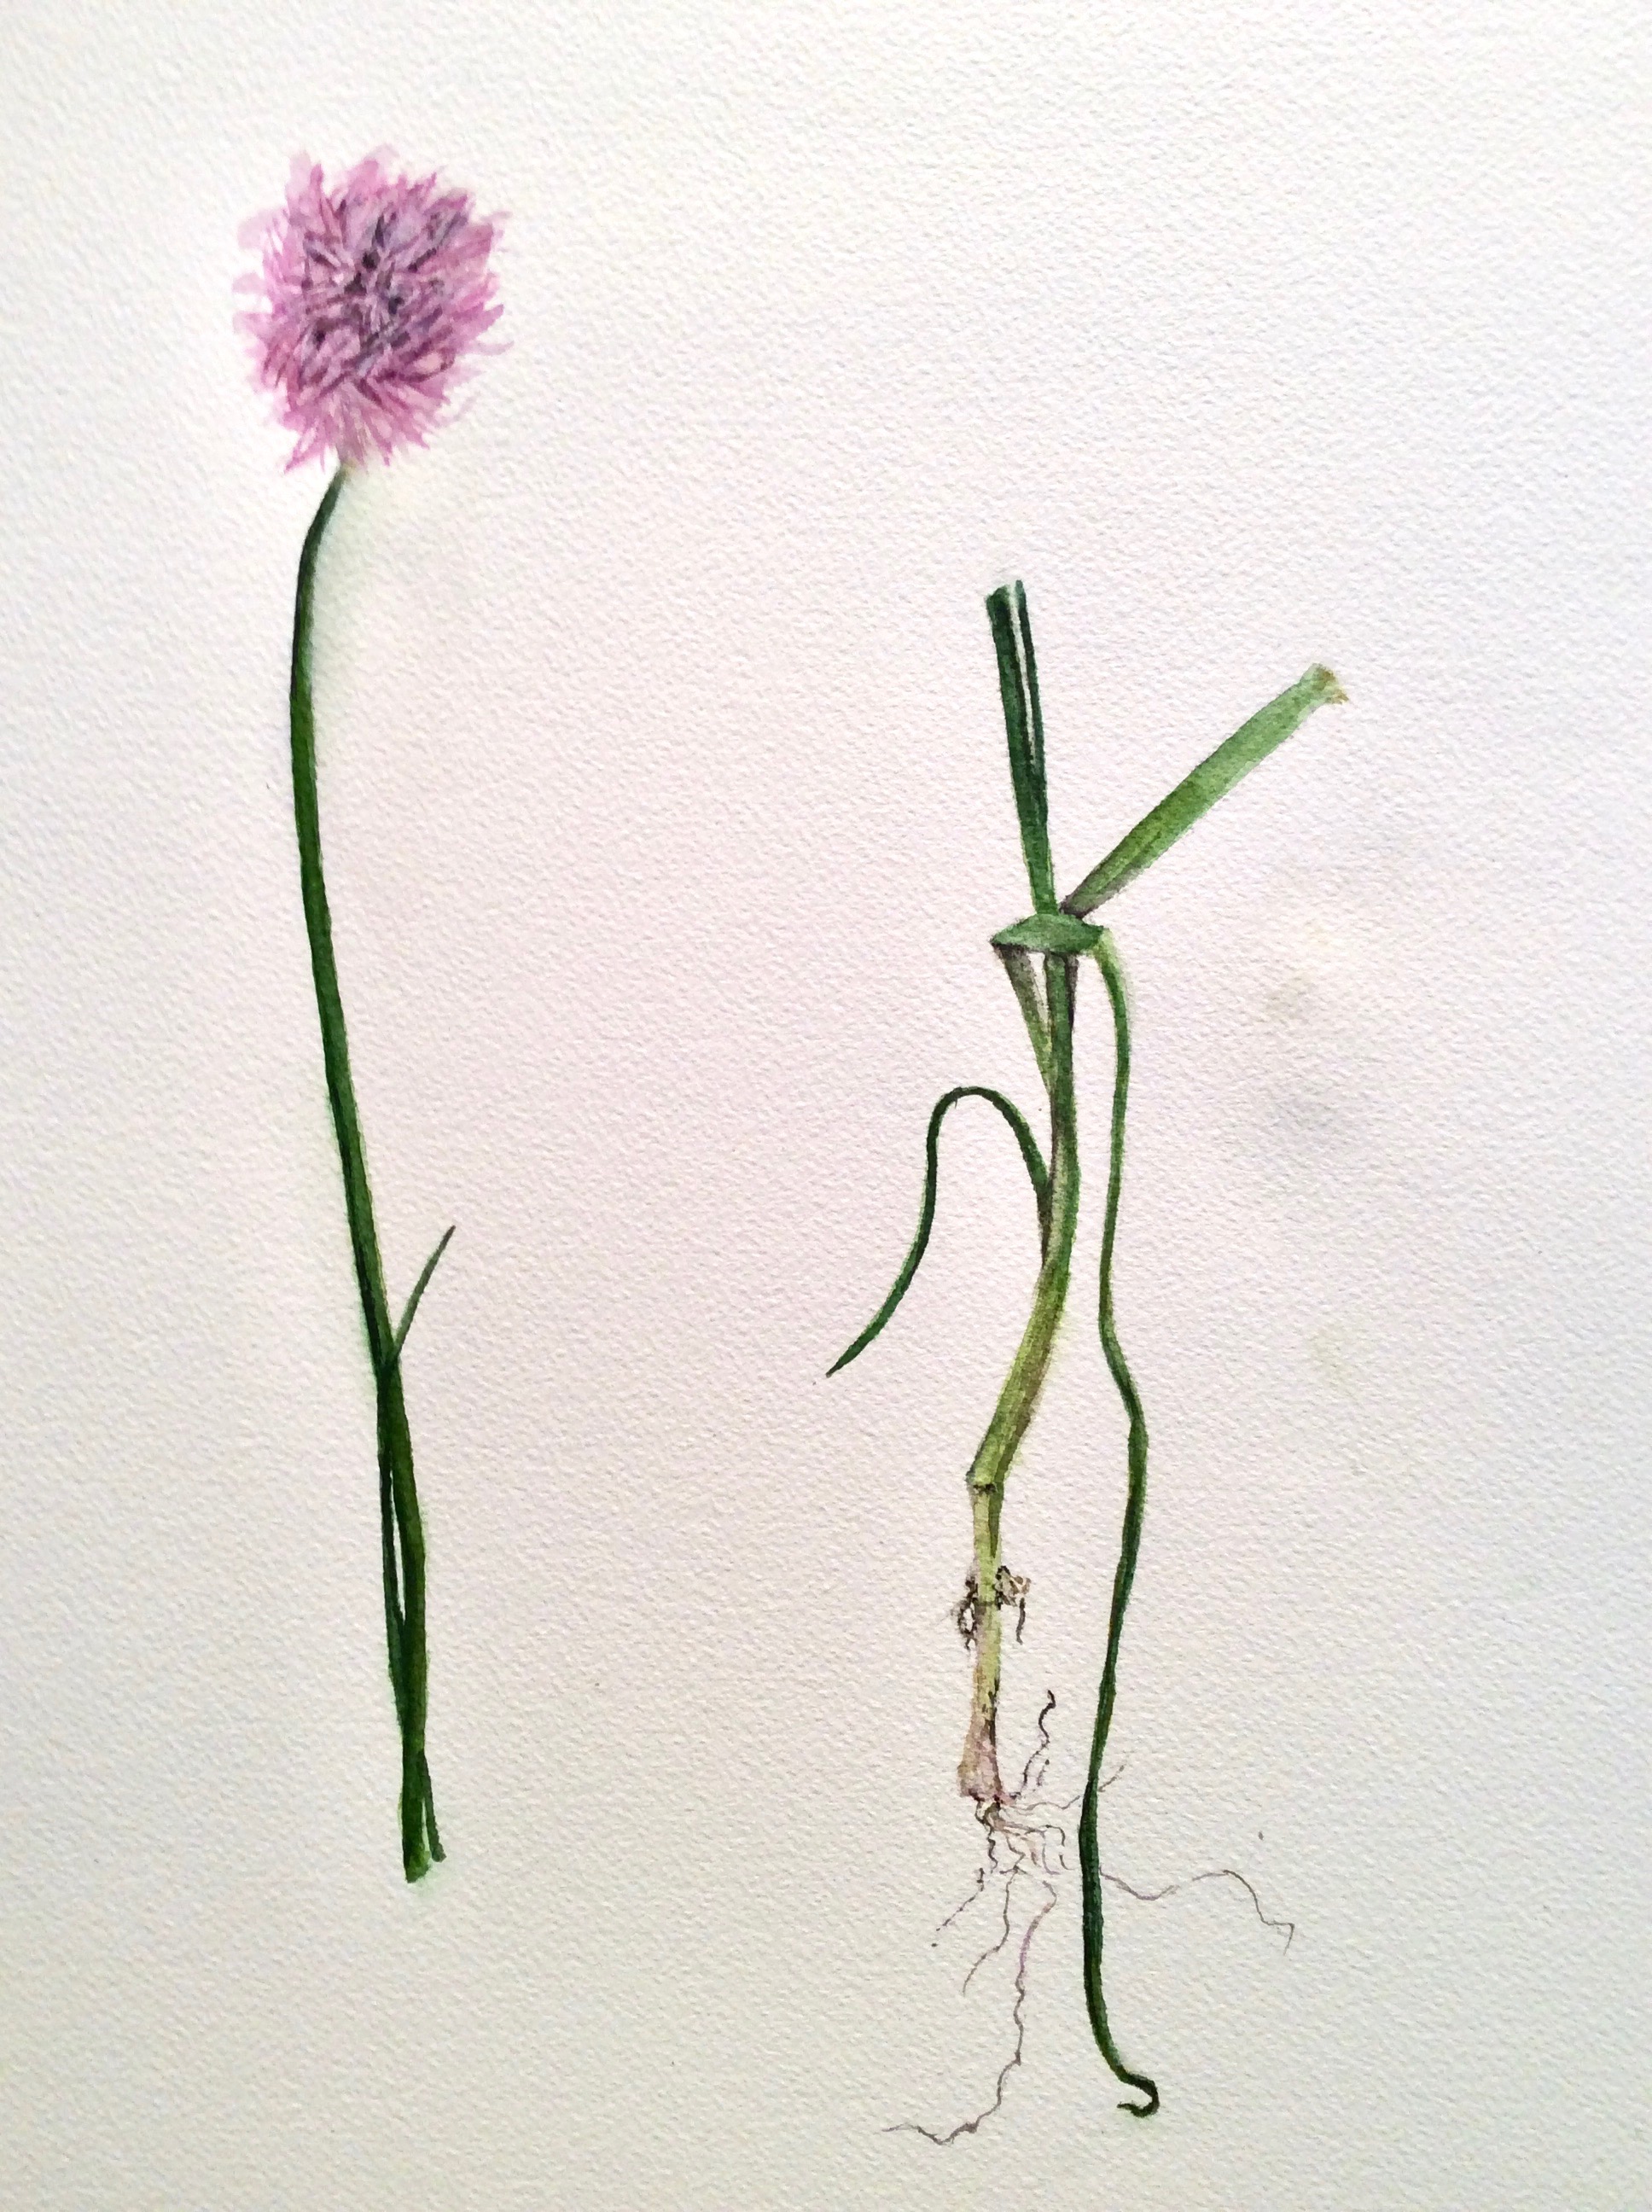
(1042, 955)
(373, 292)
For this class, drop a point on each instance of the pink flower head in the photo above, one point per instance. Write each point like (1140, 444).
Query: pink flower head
(374, 292)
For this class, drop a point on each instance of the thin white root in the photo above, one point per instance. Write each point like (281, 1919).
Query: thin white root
(1018, 2016)
(1212, 1874)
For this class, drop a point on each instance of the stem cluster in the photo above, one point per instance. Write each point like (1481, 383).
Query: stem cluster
(1042, 955)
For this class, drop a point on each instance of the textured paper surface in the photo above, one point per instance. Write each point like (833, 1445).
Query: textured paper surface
(653, 698)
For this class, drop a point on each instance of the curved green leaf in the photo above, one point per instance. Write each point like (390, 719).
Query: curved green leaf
(1037, 1173)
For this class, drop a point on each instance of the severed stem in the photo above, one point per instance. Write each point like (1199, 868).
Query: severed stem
(1197, 791)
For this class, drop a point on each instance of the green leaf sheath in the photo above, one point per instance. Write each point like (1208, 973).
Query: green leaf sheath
(1197, 793)
(403, 1536)
(1024, 723)
(1038, 1174)
(1060, 933)
(1090, 1862)
(1030, 997)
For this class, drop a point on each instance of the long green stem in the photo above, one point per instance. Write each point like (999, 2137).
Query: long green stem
(403, 1536)
(1129, 1545)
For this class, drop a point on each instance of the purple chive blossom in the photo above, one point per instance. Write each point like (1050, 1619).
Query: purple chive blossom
(374, 292)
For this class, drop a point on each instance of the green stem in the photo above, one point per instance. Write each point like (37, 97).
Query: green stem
(1049, 1029)
(1130, 1545)
(403, 1536)
(978, 1769)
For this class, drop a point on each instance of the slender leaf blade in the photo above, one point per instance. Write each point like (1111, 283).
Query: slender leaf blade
(1197, 794)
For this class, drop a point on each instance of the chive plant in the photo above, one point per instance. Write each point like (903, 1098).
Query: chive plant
(375, 291)
(1042, 956)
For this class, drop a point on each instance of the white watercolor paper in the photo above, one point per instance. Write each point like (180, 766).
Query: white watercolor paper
(655, 697)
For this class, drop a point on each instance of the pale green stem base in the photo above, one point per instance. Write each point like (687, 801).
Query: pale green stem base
(978, 1776)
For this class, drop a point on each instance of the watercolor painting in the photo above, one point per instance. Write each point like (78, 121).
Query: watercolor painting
(1042, 956)
(522, 952)
(374, 292)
